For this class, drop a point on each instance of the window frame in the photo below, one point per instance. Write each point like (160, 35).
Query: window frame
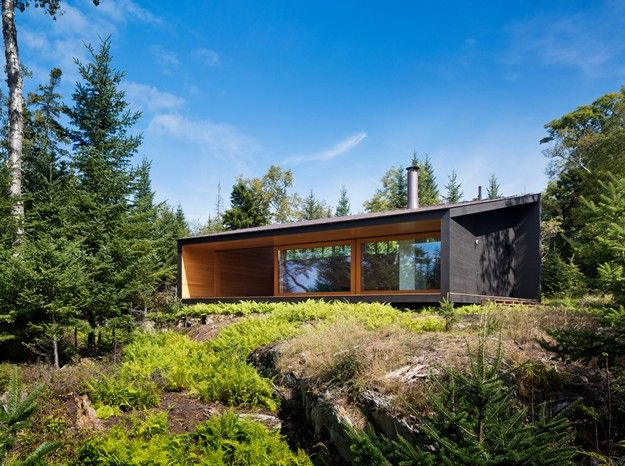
(277, 279)
(355, 265)
(414, 236)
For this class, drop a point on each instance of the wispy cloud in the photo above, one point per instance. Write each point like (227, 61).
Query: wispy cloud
(340, 148)
(217, 139)
(150, 98)
(165, 58)
(50, 43)
(123, 10)
(574, 41)
(208, 56)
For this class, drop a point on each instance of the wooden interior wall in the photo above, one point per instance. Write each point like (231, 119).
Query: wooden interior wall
(245, 272)
(198, 272)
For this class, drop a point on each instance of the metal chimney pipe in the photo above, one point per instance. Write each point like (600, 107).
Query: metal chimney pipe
(413, 187)
(479, 193)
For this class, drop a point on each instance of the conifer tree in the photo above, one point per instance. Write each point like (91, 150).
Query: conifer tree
(342, 208)
(312, 208)
(475, 420)
(247, 208)
(393, 193)
(454, 194)
(492, 191)
(103, 149)
(428, 188)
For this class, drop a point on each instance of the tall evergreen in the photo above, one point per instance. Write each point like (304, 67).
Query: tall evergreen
(342, 208)
(101, 122)
(428, 188)
(393, 193)
(492, 191)
(247, 208)
(454, 193)
(313, 208)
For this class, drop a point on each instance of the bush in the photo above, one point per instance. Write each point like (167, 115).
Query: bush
(475, 420)
(123, 392)
(561, 278)
(222, 440)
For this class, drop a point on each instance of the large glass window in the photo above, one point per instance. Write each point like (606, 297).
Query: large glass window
(397, 265)
(317, 269)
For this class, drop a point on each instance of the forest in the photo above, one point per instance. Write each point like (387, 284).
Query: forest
(100, 363)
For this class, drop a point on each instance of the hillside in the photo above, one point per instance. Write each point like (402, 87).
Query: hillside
(262, 383)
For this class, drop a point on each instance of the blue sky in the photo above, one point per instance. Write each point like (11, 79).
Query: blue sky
(340, 91)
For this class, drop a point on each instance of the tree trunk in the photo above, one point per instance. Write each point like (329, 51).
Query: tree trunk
(55, 345)
(16, 113)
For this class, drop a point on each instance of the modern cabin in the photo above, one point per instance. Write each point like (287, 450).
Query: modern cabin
(467, 252)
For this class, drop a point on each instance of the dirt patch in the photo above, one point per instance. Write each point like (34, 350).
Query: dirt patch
(211, 326)
(184, 412)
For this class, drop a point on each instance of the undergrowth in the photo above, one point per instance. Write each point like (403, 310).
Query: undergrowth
(222, 440)
(217, 370)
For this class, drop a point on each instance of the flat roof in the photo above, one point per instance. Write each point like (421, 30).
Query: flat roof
(374, 218)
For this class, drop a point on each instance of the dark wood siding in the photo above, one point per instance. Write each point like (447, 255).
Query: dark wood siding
(496, 253)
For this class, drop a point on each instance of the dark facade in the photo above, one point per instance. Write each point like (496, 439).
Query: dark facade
(470, 252)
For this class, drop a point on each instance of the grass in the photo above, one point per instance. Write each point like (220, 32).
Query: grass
(217, 370)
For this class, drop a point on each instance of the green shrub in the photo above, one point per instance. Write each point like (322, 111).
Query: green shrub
(561, 278)
(474, 420)
(123, 392)
(222, 440)
(447, 311)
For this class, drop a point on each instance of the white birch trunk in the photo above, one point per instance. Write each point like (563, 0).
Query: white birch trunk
(16, 113)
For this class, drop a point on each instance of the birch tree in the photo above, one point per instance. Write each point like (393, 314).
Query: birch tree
(15, 83)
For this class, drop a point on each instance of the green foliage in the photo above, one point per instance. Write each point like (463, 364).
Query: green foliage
(123, 392)
(392, 195)
(587, 146)
(602, 238)
(16, 409)
(561, 278)
(454, 193)
(475, 421)
(394, 191)
(447, 311)
(428, 189)
(222, 440)
(606, 341)
(248, 208)
(492, 190)
(311, 208)
(342, 207)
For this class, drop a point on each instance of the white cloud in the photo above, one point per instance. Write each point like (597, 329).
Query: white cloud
(165, 57)
(151, 99)
(122, 10)
(208, 56)
(217, 139)
(337, 149)
(573, 41)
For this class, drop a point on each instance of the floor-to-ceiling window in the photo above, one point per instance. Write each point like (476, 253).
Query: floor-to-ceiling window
(400, 264)
(319, 269)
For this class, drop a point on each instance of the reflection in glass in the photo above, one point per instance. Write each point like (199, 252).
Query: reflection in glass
(397, 265)
(322, 269)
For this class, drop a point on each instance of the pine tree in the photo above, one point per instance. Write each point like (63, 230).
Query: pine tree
(342, 208)
(392, 195)
(475, 420)
(428, 189)
(312, 208)
(493, 187)
(247, 208)
(17, 408)
(454, 194)
(103, 150)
